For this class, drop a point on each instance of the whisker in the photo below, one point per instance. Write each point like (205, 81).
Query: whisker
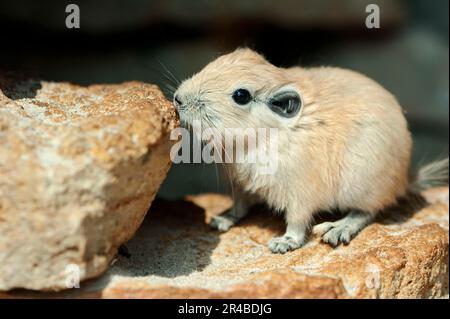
(168, 92)
(167, 84)
(162, 74)
(177, 81)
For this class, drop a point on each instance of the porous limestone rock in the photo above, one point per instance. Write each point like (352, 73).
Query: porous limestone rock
(175, 255)
(79, 168)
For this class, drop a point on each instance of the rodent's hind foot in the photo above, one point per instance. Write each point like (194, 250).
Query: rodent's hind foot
(343, 230)
(222, 223)
(337, 233)
(229, 218)
(283, 244)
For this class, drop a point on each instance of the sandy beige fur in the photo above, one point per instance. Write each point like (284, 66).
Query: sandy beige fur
(348, 148)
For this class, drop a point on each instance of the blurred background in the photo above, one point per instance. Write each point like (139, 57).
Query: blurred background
(122, 40)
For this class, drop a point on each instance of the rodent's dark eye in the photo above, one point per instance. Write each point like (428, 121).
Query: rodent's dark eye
(242, 96)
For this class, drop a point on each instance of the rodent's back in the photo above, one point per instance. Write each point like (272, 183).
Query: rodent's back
(364, 134)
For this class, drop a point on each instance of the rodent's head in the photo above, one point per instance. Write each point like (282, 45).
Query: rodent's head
(239, 90)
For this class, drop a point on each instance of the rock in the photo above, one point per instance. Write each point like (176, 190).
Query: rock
(175, 255)
(79, 167)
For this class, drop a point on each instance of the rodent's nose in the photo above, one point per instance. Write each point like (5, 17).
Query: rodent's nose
(177, 100)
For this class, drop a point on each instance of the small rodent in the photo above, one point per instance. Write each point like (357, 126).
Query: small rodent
(345, 143)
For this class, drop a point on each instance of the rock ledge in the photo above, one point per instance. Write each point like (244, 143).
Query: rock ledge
(175, 255)
(79, 167)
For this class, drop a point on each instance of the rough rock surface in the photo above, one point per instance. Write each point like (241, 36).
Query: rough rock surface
(175, 255)
(79, 167)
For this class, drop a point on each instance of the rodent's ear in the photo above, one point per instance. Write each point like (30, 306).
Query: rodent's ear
(286, 103)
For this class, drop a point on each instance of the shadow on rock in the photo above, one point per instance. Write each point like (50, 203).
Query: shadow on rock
(17, 87)
(403, 210)
(264, 217)
(173, 240)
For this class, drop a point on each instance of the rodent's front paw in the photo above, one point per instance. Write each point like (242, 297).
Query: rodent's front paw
(221, 223)
(283, 244)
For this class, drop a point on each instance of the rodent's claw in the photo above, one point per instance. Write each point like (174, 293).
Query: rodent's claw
(221, 223)
(283, 244)
(337, 235)
(343, 230)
